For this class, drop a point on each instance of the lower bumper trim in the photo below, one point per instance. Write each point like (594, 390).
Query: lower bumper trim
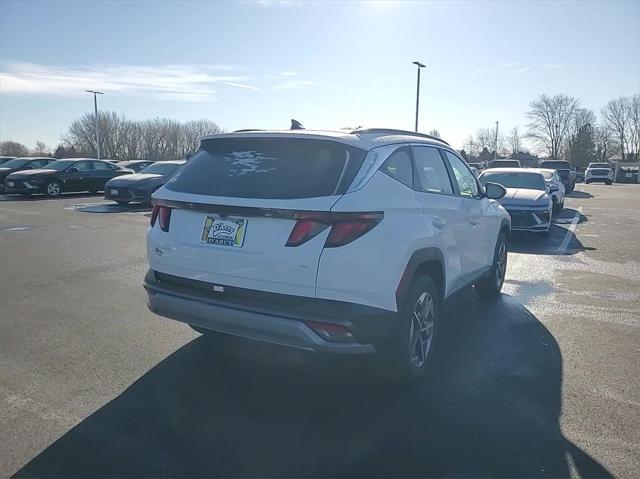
(247, 324)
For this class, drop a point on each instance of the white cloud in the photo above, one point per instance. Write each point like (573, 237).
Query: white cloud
(553, 66)
(185, 82)
(523, 69)
(293, 84)
(290, 74)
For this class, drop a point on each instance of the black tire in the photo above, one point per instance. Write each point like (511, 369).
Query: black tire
(609, 182)
(586, 182)
(555, 206)
(402, 362)
(122, 202)
(491, 285)
(53, 188)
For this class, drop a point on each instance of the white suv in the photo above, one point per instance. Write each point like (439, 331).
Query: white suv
(598, 172)
(325, 241)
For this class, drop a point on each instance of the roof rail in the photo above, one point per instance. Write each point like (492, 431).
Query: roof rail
(246, 130)
(398, 132)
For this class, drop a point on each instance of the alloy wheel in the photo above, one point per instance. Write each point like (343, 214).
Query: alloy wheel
(421, 330)
(501, 264)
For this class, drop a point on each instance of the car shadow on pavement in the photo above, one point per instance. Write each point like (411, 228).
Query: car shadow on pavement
(38, 197)
(112, 208)
(579, 194)
(491, 407)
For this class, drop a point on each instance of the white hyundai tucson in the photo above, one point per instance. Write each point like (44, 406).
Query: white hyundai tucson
(335, 242)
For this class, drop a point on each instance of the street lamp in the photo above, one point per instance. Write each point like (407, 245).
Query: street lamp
(95, 107)
(419, 65)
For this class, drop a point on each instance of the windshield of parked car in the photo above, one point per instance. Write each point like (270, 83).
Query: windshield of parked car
(530, 181)
(161, 168)
(16, 163)
(60, 164)
(548, 175)
(280, 168)
(556, 165)
(599, 165)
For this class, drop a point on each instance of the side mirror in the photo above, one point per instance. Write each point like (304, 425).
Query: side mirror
(494, 191)
(553, 188)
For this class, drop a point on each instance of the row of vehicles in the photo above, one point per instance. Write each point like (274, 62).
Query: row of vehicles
(121, 181)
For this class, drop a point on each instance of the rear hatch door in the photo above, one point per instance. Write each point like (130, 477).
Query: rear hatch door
(235, 205)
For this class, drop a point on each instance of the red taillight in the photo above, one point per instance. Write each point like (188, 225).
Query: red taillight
(345, 227)
(304, 230)
(163, 215)
(345, 231)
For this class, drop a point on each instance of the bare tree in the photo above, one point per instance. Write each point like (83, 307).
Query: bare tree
(41, 149)
(435, 133)
(603, 138)
(551, 121)
(192, 131)
(515, 141)
(616, 116)
(634, 126)
(13, 148)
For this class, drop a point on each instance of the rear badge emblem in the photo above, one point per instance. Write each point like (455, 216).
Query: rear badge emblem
(218, 288)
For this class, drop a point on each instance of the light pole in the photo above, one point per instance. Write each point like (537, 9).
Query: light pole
(556, 143)
(420, 66)
(495, 144)
(95, 108)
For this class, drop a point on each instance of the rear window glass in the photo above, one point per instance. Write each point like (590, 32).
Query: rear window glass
(275, 168)
(556, 165)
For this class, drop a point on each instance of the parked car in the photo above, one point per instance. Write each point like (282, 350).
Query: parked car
(135, 165)
(599, 172)
(528, 199)
(4, 159)
(505, 164)
(77, 174)
(566, 172)
(477, 166)
(555, 187)
(140, 186)
(20, 164)
(338, 242)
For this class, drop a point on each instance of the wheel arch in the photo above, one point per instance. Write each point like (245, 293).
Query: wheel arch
(428, 261)
(505, 227)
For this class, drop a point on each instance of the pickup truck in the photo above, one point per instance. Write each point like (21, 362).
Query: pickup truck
(566, 172)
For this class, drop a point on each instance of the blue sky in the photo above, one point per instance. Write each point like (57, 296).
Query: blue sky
(328, 64)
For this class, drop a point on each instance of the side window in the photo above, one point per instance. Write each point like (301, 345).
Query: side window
(466, 180)
(398, 166)
(38, 163)
(84, 166)
(97, 165)
(430, 173)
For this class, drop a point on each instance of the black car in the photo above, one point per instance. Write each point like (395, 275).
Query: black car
(136, 165)
(4, 159)
(19, 164)
(140, 186)
(506, 164)
(78, 174)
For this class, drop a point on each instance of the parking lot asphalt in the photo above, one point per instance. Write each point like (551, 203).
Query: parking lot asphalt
(542, 382)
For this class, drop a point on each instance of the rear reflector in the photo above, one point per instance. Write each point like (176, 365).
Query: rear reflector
(331, 331)
(345, 227)
(162, 214)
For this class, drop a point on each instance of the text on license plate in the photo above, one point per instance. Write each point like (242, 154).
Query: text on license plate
(224, 230)
(114, 192)
(10, 184)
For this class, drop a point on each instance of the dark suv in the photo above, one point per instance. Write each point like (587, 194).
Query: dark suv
(78, 174)
(565, 171)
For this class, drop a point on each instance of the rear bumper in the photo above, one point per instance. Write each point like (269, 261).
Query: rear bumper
(272, 325)
(21, 186)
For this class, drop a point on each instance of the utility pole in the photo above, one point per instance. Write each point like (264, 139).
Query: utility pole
(95, 109)
(495, 144)
(419, 65)
(555, 144)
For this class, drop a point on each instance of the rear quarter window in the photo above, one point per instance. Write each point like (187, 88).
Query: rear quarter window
(274, 168)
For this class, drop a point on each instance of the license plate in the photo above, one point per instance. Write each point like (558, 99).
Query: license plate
(224, 230)
(114, 192)
(10, 184)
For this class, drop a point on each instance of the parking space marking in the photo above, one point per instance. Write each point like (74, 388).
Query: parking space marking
(572, 226)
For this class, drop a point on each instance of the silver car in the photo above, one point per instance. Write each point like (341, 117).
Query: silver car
(528, 198)
(555, 186)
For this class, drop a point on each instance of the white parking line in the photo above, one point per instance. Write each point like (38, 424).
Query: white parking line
(572, 226)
